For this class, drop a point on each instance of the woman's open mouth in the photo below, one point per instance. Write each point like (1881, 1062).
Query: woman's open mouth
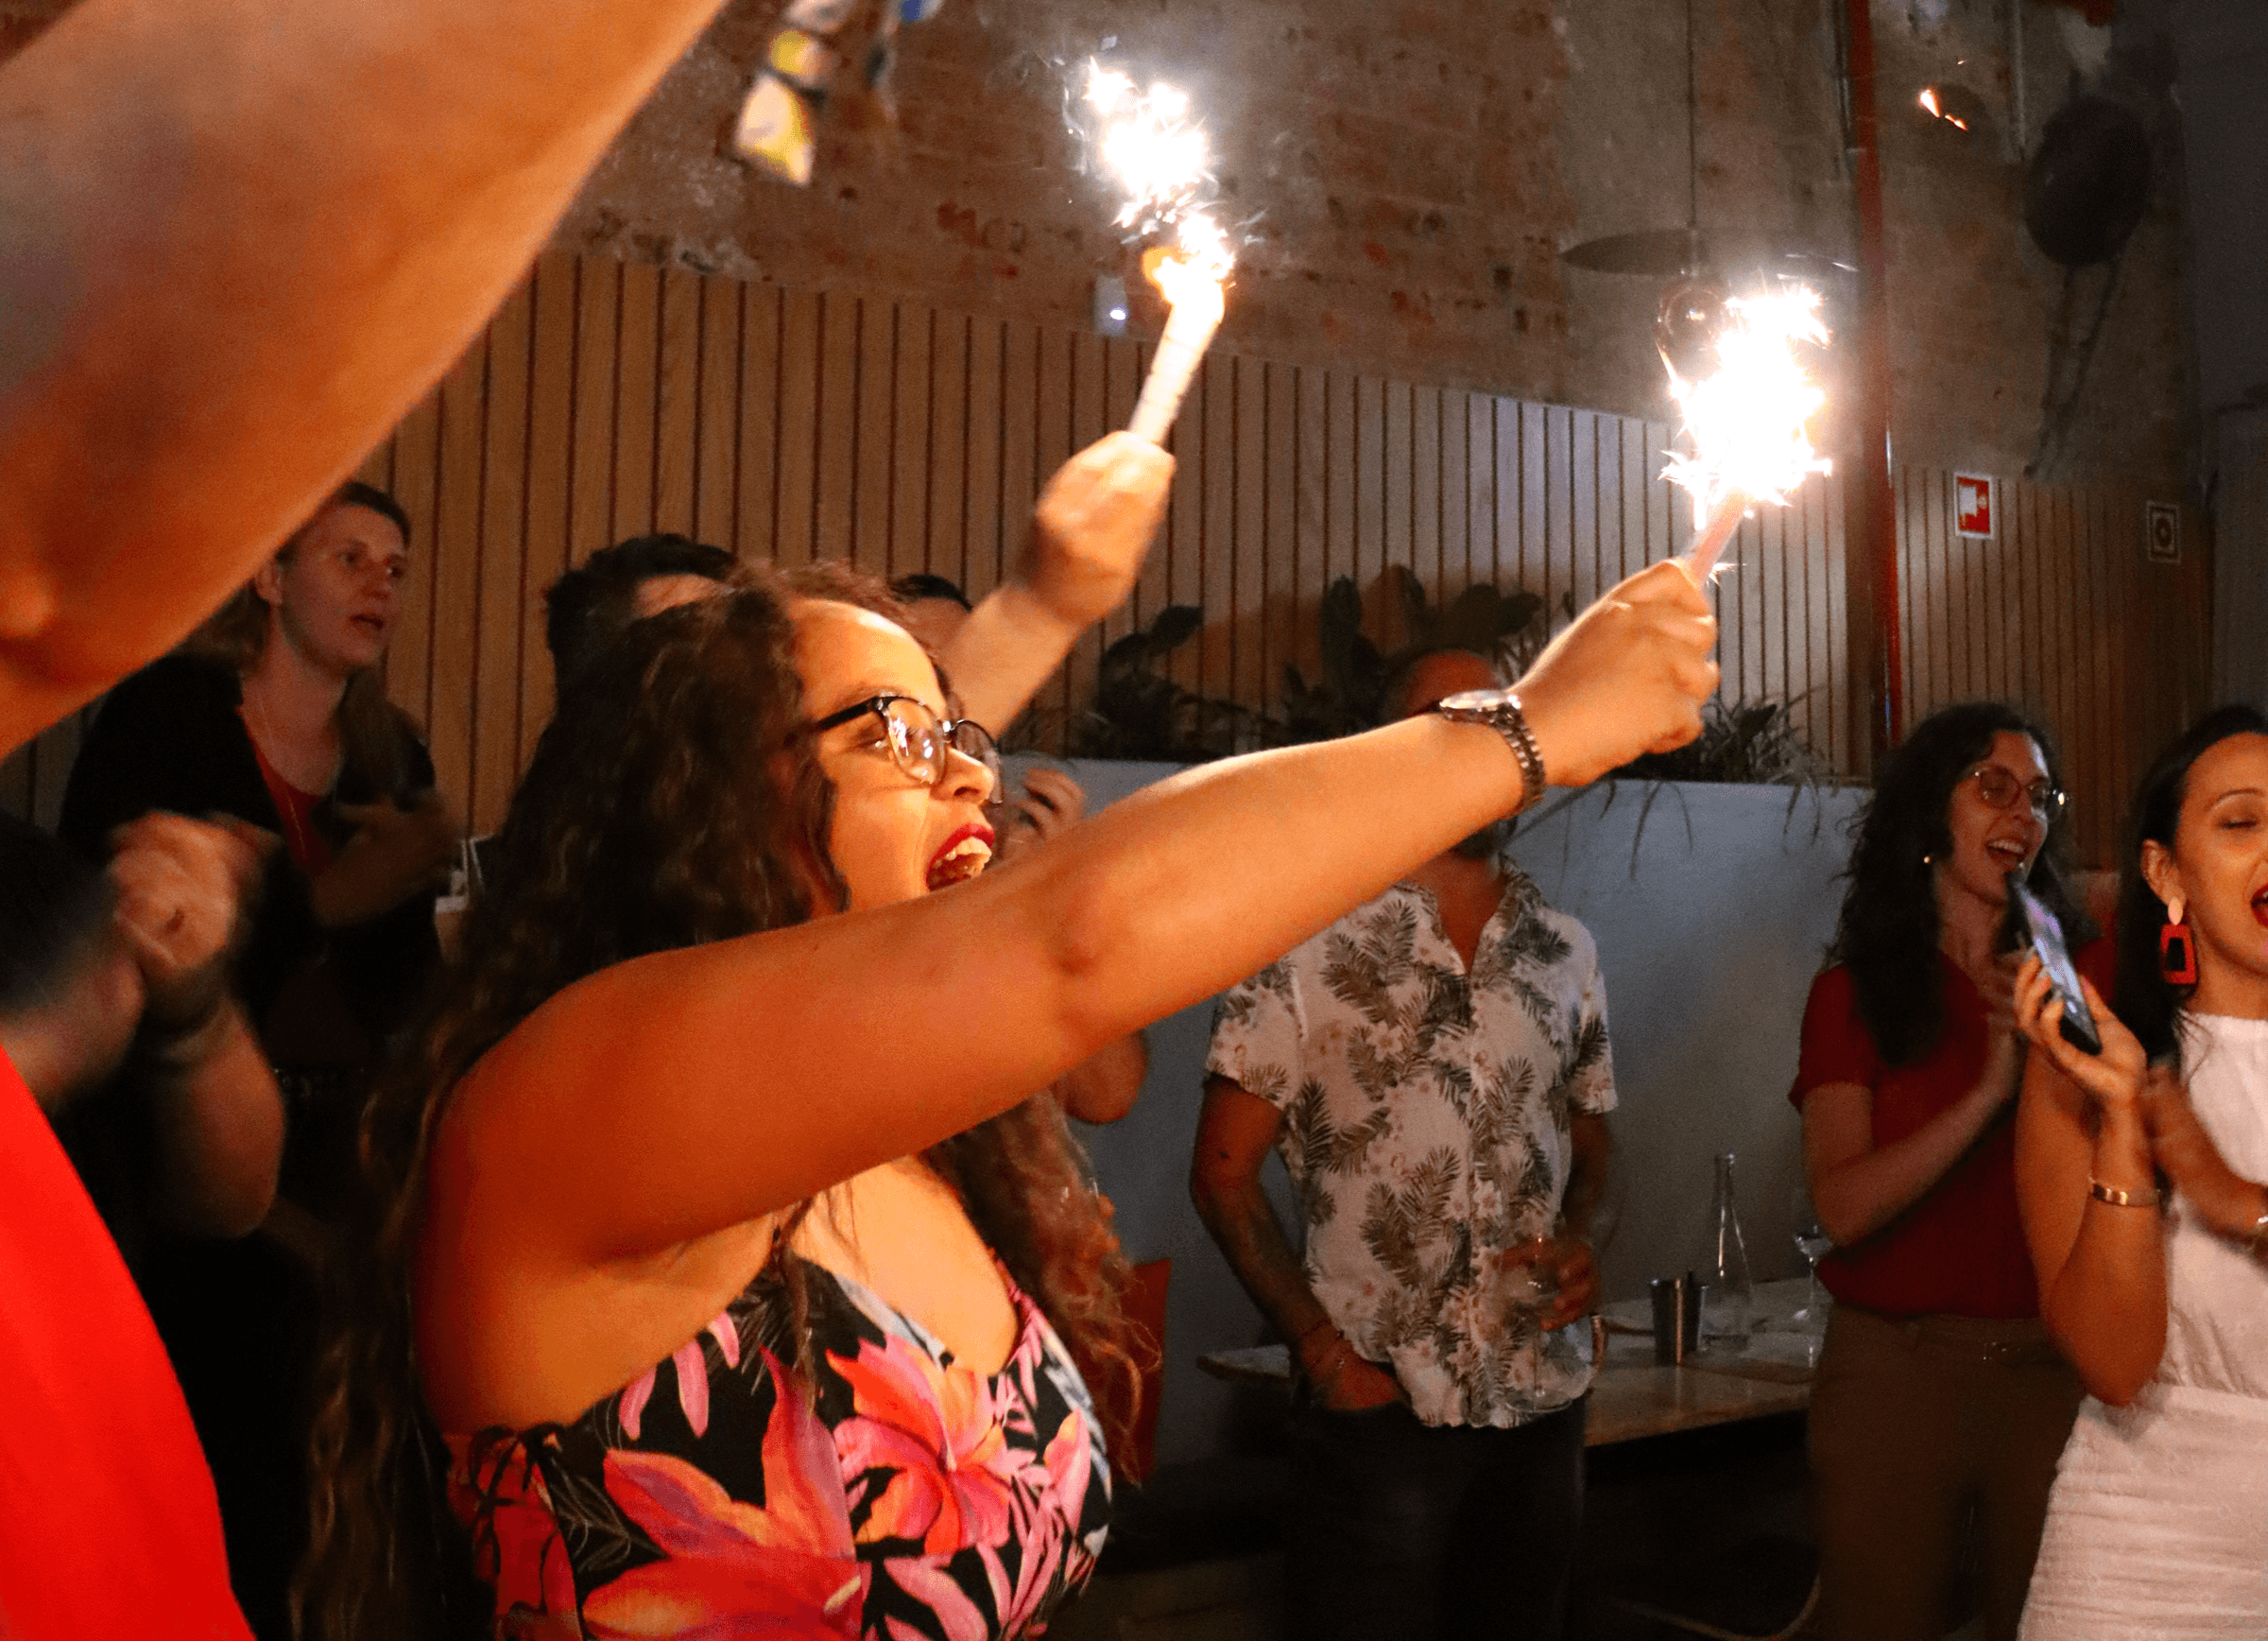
(966, 854)
(2259, 908)
(2006, 855)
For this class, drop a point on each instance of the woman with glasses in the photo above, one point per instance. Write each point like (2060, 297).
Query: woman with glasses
(706, 1298)
(1940, 1403)
(2140, 1174)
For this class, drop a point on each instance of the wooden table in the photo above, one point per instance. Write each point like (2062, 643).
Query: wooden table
(1631, 1395)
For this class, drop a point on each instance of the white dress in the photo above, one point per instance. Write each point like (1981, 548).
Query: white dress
(2159, 1522)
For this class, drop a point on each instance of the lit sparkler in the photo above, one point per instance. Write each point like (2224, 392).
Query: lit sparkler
(1746, 418)
(1150, 144)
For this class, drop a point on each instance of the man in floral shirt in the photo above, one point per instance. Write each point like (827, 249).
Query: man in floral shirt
(1433, 1070)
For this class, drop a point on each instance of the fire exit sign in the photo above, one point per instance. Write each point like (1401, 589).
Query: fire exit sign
(1973, 504)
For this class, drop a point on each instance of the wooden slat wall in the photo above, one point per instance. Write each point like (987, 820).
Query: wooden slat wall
(610, 399)
(2060, 612)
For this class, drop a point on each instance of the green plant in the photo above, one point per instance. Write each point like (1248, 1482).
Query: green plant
(1755, 742)
(1348, 695)
(1139, 713)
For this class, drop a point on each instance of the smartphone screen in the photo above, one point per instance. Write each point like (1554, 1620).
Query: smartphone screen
(2045, 936)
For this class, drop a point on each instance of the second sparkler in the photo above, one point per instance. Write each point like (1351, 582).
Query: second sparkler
(1147, 143)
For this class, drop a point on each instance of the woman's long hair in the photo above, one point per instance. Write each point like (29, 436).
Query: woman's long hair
(374, 736)
(671, 802)
(1887, 935)
(2144, 1000)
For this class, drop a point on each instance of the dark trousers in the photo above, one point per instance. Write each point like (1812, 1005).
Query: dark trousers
(1403, 1529)
(1924, 1431)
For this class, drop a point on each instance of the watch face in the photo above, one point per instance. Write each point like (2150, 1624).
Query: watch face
(1475, 701)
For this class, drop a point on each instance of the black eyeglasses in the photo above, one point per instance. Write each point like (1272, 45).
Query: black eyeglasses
(2000, 790)
(919, 739)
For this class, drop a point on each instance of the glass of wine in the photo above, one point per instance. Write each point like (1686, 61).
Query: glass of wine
(1813, 1244)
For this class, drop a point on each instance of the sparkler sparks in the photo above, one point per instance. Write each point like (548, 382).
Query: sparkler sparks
(1150, 144)
(1746, 418)
(1929, 102)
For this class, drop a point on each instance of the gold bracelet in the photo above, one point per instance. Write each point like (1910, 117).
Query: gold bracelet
(2119, 1198)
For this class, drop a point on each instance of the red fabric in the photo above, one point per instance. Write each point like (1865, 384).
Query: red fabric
(108, 1524)
(1960, 1250)
(309, 849)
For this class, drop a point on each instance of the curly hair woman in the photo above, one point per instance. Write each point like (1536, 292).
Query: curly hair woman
(1940, 1401)
(2139, 1172)
(678, 1299)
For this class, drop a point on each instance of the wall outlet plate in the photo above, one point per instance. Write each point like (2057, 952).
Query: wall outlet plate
(1110, 304)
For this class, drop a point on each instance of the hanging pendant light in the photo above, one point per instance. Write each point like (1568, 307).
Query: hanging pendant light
(1661, 253)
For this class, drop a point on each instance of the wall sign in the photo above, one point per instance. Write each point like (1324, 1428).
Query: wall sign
(1973, 504)
(2161, 531)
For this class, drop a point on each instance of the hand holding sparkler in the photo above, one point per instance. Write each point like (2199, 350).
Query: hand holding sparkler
(1628, 677)
(1746, 417)
(1092, 526)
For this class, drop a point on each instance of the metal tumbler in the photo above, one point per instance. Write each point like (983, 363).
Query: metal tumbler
(1676, 1318)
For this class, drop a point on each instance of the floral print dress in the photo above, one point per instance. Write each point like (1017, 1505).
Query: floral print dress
(899, 1496)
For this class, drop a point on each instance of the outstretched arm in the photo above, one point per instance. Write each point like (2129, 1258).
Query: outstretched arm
(905, 1024)
(238, 239)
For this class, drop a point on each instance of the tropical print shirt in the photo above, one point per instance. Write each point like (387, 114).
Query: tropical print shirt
(899, 1496)
(1426, 1125)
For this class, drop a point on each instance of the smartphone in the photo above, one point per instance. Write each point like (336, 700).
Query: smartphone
(2044, 935)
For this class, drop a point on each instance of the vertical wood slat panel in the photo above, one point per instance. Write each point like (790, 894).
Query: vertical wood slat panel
(637, 398)
(874, 437)
(946, 549)
(550, 483)
(794, 515)
(608, 400)
(717, 448)
(455, 560)
(756, 501)
(913, 337)
(677, 403)
(1251, 679)
(502, 563)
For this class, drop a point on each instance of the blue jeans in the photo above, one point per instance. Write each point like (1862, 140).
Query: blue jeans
(1399, 1528)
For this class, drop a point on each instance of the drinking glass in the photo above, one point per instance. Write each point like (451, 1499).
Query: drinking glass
(1526, 1291)
(1812, 1243)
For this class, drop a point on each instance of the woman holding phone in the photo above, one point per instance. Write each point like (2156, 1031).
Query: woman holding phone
(1939, 1400)
(2139, 1174)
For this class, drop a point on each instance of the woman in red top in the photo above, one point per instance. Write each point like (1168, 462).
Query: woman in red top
(1941, 1405)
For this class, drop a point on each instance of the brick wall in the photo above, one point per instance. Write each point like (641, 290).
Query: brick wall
(1411, 169)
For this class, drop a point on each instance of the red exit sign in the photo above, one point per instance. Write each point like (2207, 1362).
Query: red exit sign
(1973, 504)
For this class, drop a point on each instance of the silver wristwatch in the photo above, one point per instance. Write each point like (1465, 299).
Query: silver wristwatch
(1501, 710)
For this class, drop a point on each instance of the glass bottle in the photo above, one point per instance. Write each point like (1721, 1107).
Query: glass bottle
(1729, 1306)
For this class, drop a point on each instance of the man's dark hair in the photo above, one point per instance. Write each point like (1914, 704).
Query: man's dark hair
(589, 607)
(53, 908)
(357, 493)
(913, 589)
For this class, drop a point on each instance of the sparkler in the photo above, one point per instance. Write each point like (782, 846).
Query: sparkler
(1150, 144)
(1746, 417)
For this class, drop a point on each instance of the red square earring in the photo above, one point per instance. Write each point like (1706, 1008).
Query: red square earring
(2176, 954)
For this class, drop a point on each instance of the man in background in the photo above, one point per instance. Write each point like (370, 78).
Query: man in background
(1434, 1069)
